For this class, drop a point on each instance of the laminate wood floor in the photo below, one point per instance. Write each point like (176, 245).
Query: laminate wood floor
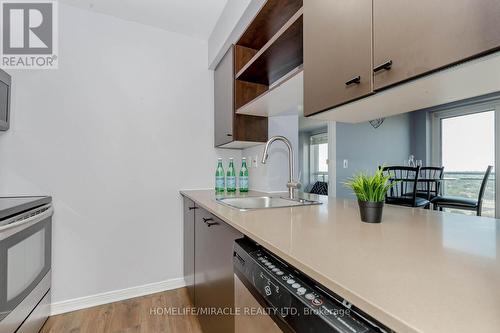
(129, 316)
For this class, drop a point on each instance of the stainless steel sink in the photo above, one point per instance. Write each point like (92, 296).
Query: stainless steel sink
(247, 203)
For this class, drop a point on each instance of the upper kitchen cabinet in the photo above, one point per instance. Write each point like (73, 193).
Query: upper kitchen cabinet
(232, 130)
(412, 38)
(268, 60)
(337, 53)
(368, 59)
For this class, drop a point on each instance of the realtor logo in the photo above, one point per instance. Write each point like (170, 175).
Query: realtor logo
(29, 34)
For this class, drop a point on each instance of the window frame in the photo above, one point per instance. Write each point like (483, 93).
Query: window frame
(463, 110)
(314, 160)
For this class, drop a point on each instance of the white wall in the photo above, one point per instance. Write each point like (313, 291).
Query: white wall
(234, 19)
(112, 135)
(273, 176)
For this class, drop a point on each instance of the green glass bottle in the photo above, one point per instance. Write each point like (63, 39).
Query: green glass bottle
(243, 176)
(231, 177)
(219, 177)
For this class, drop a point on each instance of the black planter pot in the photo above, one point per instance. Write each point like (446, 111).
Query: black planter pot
(371, 212)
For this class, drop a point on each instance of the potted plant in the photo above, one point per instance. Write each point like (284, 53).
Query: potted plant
(370, 191)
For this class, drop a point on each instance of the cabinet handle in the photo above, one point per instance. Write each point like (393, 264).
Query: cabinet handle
(354, 80)
(207, 221)
(385, 66)
(229, 134)
(191, 208)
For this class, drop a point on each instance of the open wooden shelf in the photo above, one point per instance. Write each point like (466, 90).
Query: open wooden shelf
(285, 97)
(281, 54)
(271, 17)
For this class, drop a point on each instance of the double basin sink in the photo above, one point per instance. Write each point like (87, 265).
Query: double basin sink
(248, 203)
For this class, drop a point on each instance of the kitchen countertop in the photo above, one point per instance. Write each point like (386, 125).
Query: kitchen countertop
(417, 271)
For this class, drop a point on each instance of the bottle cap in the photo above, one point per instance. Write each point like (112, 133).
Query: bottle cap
(231, 158)
(219, 159)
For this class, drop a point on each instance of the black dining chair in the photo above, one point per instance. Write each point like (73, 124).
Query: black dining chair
(444, 201)
(404, 192)
(429, 185)
(319, 188)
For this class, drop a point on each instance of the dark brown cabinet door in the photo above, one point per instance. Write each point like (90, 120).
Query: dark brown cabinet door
(189, 213)
(422, 36)
(337, 52)
(224, 99)
(214, 276)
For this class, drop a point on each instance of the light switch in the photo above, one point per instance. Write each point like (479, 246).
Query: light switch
(346, 164)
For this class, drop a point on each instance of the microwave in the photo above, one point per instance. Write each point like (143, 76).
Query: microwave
(5, 87)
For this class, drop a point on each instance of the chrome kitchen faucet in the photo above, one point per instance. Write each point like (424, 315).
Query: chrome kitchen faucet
(292, 185)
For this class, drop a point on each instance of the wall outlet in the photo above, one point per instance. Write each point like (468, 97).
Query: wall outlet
(255, 161)
(346, 164)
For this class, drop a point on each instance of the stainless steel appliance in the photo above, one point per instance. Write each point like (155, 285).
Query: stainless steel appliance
(294, 302)
(5, 87)
(25, 263)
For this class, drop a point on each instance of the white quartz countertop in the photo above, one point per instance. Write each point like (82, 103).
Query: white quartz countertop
(417, 271)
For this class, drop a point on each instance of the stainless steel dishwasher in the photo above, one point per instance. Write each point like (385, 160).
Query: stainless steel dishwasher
(271, 296)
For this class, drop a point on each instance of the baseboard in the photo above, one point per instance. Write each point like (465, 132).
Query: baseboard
(114, 296)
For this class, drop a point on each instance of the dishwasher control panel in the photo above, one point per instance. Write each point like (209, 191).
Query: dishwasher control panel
(316, 304)
(299, 301)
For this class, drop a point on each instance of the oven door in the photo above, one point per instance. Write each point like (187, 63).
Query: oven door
(25, 260)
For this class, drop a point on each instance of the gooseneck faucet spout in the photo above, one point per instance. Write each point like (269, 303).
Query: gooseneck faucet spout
(292, 185)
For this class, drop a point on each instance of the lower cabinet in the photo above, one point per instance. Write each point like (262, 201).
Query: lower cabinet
(189, 214)
(212, 257)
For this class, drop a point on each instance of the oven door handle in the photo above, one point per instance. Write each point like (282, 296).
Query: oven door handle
(36, 218)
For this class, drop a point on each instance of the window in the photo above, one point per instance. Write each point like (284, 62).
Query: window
(318, 158)
(464, 143)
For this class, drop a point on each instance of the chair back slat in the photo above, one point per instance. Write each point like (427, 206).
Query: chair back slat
(433, 188)
(406, 182)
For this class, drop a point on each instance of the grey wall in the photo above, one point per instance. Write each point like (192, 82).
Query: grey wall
(420, 136)
(366, 148)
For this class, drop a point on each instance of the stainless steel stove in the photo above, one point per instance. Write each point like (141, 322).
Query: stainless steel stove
(25, 263)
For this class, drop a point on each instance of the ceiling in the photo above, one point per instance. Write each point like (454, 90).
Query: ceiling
(195, 18)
